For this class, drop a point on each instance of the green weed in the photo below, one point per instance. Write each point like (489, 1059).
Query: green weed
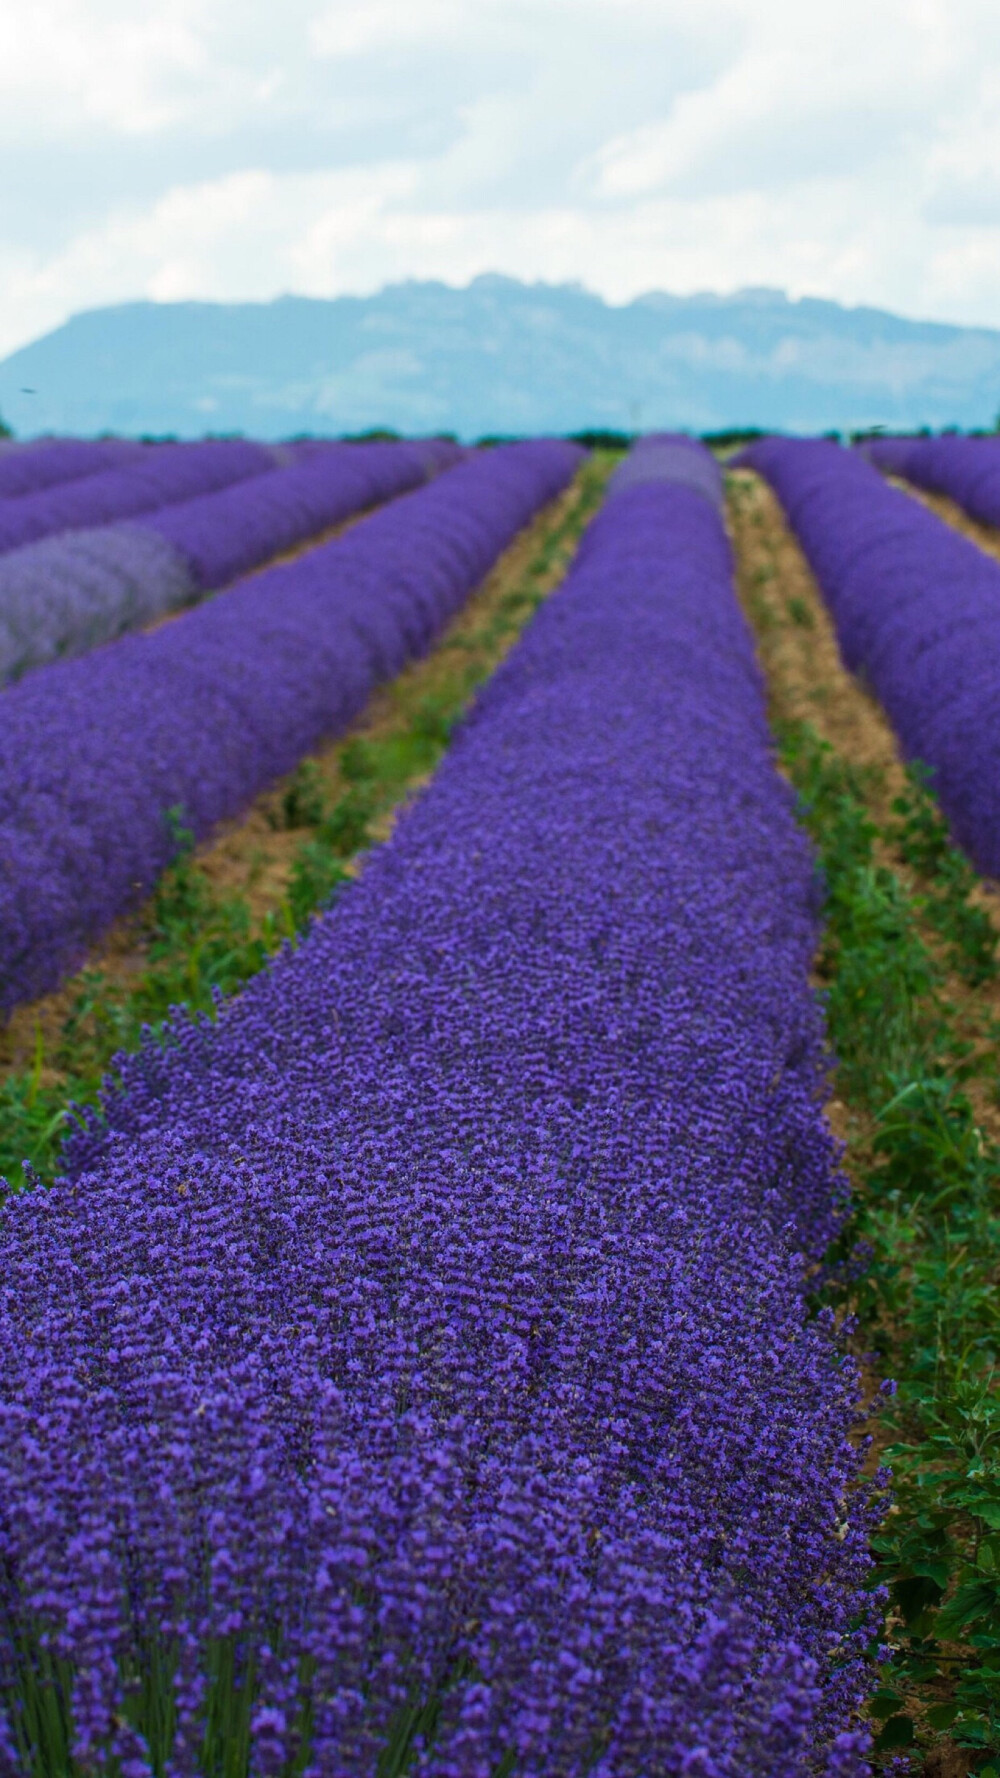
(920, 836)
(927, 1215)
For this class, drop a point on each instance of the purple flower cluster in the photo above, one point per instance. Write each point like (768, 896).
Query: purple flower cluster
(27, 468)
(670, 456)
(966, 469)
(222, 535)
(68, 593)
(152, 477)
(417, 1358)
(917, 610)
(65, 594)
(204, 712)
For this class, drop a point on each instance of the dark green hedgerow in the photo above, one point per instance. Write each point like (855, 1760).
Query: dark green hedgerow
(199, 943)
(926, 1239)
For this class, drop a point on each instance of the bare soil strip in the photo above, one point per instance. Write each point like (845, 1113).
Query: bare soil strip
(253, 856)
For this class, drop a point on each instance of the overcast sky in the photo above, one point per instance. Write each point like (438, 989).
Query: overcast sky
(242, 148)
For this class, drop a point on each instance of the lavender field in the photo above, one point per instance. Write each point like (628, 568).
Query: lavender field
(499, 1106)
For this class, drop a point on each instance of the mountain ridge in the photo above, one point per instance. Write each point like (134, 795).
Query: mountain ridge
(499, 356)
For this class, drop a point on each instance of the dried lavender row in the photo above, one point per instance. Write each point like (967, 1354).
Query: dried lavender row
(40, 463)
(917, 610)
(428, 1334)
(65, 594)
(671, 457)
(966, 469)
(151, 477)
(68, 593)
(205, 712)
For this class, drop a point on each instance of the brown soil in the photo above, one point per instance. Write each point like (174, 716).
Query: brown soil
(253, 855)
(796, 641)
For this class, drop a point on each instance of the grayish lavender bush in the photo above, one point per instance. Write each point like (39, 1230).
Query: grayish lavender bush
(152, 477)
(206, 711)
(966, 469)
(68, 593)
(917, 610)
(65, 594)
(40, 463)
(671, 456)
(422, 1347)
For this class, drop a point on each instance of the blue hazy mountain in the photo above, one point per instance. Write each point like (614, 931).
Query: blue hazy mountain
(498, 356)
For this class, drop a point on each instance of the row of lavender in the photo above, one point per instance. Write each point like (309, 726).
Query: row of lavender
(966, 469)
(42, 462)
(146, 478)
(917, 611)
(414, 1374)
(203, 713)
(71, 591)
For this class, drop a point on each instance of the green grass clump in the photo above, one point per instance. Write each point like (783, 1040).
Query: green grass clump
(927, 1223)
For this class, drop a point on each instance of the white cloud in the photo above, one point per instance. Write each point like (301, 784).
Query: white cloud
(349, 29)
(240, 149)
(65, 65)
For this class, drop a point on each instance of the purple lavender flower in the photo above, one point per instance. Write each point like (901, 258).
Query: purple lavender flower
(42, 462)
(966, 469)
(68, 593)
(152, 477)
(422, 1346)
(207, 711)
(65, 594)
(917, 610)
(671, 456)
(222, 535)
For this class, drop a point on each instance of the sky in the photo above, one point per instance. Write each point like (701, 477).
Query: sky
(240, 149)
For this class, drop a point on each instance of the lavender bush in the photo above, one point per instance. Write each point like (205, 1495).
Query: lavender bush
(413, 1374)
(206, 711)
(65, 594)
(671, 457)
(222, 535)
(42, 462)
(966, 469)
(156, 476)
(68, 593)
(917, 610)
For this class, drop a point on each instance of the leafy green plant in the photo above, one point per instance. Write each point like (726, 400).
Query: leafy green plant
(928, 1221)
(920, 836)
(304, 801)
